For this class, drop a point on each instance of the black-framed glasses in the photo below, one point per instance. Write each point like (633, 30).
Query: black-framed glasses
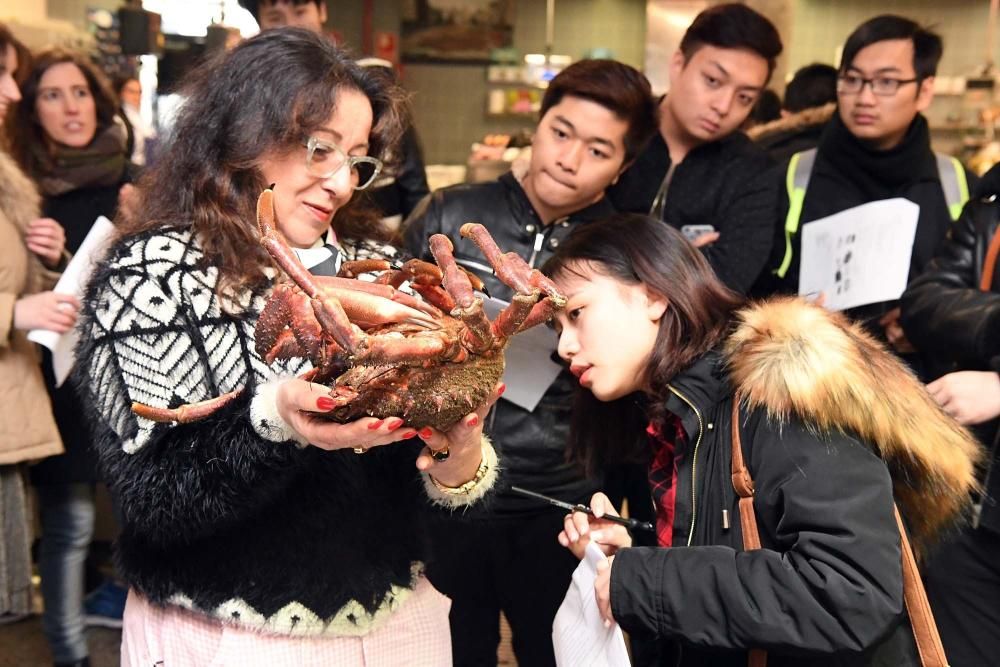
(884, 86)
(324, 159)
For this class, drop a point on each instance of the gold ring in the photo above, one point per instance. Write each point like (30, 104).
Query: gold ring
(440, 454)
(360, 450)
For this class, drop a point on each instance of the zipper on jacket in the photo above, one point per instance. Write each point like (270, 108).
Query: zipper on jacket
(539, 241)
(694, 460)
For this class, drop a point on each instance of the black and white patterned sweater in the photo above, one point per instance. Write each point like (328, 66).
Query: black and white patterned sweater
(228, 516)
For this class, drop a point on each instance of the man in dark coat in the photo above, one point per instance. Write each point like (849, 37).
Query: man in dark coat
(700, 174)
(953, 313)
(876, 147)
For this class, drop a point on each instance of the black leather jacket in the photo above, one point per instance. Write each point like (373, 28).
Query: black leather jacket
(948, 317)
(531, 445)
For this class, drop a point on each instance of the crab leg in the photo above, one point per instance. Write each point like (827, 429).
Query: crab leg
(509, 266)
(330, 314)
(468, 308)
(525, 310)
(185, 414)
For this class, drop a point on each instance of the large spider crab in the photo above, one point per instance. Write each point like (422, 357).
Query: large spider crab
(384, 352)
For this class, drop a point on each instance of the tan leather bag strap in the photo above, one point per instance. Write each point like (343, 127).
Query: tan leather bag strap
(925, 631)
(743, 483)
(990, 263)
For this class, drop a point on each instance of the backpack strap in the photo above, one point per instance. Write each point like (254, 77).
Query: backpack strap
(953, 182)
(925, 631)
(796, 182)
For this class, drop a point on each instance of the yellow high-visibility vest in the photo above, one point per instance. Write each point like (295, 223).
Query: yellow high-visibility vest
(950, 173)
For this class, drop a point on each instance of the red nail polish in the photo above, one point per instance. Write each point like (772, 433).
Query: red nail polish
(502, 389)
(374, 426)
(473, 420)
(325, 403)
(410, 434)
(426, 432)
(394, 423)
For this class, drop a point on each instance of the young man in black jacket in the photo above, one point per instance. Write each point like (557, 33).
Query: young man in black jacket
(700, 173)
(595, 117)
(952, 312)
(877, 146)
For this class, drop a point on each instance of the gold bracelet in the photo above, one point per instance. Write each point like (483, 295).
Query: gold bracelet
(481, 472)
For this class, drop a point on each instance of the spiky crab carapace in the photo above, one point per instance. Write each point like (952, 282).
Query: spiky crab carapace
(385, 353)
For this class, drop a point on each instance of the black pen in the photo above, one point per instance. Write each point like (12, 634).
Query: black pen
(633, 524)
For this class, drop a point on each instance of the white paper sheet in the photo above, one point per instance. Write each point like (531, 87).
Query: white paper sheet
(859, 256)
(529, 370)
(73, 281)
(578, 633)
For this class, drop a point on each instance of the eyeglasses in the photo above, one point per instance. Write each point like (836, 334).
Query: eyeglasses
(883, 86)
(324, 159)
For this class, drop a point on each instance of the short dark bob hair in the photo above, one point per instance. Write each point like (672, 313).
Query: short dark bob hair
(615, 86)
(262, 98)
(927, 46)
(638, 249)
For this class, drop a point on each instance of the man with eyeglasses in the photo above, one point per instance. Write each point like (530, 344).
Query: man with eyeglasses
(877, 146)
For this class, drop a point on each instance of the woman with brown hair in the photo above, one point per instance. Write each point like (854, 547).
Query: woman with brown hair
(831, 428)
(261, 534)
(65, 138)
(31, 248)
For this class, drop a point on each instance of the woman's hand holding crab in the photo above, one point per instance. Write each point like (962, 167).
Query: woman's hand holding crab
(298, 401)
(452, 457)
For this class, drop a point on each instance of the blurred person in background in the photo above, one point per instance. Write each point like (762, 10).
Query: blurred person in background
(129, 91)
(403, 183)
(32, 249)
(700, 173)
(810, 102)
(767, 109)
(67, 141)
(307, 14)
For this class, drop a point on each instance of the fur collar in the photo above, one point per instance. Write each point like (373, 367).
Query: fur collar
(790, 357)
(19, 198)
(793, 123)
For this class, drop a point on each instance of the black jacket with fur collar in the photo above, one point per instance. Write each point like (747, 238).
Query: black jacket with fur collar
(830, 422)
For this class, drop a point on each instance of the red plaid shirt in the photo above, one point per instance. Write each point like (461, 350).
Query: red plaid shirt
(663, 475)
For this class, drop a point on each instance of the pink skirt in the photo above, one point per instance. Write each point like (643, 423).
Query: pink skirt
(416, 634)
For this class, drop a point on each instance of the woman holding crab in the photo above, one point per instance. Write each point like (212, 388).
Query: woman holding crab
(260, 534)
